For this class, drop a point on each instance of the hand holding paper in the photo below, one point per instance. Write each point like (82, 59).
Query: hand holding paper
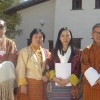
(64, 82)
(91, 75)
(98, 81)
(63, 70)
(57, 80)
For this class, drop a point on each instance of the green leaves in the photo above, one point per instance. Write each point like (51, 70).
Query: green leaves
(11, 20)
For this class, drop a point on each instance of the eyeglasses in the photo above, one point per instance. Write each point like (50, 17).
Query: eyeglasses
(96, 32)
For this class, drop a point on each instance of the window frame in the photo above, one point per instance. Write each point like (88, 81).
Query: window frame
(75, 5)
(97, 4)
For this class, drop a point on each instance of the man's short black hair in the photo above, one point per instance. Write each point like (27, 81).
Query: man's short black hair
(96, 25)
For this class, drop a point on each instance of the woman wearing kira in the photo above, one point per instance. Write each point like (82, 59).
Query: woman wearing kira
(64, 52)
(30, 68)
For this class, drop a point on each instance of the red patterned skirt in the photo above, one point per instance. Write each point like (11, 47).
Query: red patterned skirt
(36, 91)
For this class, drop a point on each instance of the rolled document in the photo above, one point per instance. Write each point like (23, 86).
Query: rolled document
(91, 75)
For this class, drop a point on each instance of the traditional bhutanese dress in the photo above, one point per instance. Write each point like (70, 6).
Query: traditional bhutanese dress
(8, 51)
(30, 66)
(66, 92)
(8, 57)
(91, 58)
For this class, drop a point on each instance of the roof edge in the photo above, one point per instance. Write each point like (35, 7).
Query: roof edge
(23, 5)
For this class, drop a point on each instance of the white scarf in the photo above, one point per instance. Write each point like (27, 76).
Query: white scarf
(7, 71)
(64, 58)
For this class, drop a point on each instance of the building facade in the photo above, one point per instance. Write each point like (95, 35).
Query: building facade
(78, 15)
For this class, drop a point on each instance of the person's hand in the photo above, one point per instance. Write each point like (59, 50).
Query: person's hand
(45, 78)
(64, 82)
(98, 81)
(57, 80)
(24, 89)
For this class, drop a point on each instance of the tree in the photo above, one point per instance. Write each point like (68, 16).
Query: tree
(11, 20)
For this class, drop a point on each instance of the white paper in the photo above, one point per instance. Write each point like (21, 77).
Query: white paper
(91, 75)
(63, 70)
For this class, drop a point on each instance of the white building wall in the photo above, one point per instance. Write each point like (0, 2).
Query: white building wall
(31, 18)
(57, 14)
(79, 21)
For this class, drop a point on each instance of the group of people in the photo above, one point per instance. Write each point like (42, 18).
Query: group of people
(33, 67)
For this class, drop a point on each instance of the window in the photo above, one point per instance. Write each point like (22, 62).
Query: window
(97, 4)
(76, 4)
(50, 45)
(77, 42)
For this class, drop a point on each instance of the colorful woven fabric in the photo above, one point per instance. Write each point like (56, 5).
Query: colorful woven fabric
(60, 93)
(36, 91)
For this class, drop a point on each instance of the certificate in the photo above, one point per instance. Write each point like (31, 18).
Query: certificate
(91, 75)
(63, 70)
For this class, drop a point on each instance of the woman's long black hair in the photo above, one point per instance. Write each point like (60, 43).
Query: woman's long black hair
(59, 45)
